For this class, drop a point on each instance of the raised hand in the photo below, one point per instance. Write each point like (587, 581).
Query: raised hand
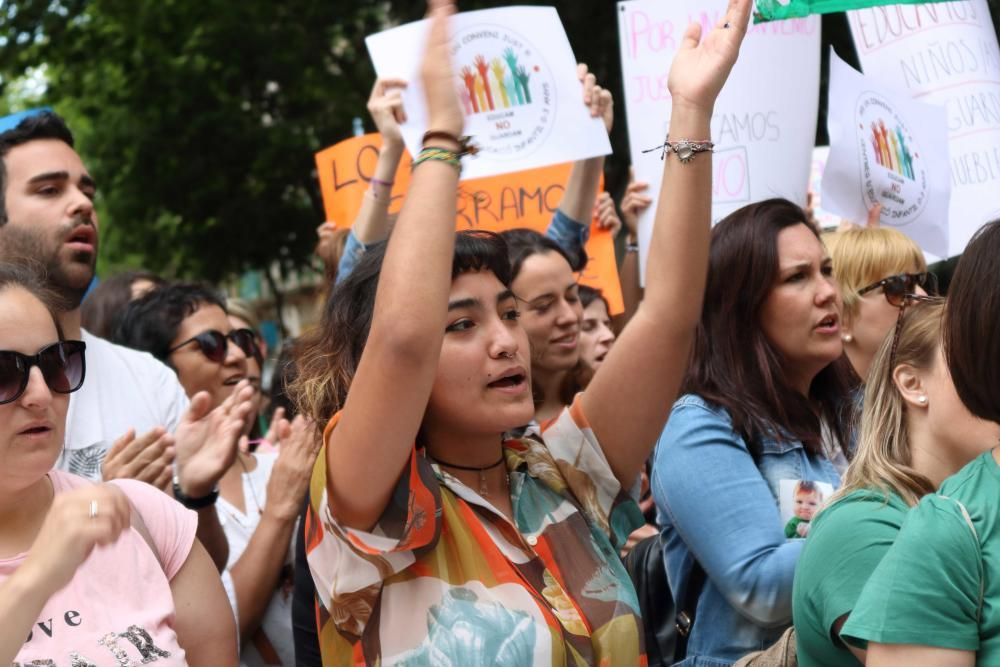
(607, 216)
(385, 106)
(289, 481)
(76, 522)
(633, 203)
(598, 100)
(701, 65)
(207, 439)
(148, 458)
(444, 114)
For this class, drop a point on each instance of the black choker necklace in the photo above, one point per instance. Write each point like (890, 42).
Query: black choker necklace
(483, 491)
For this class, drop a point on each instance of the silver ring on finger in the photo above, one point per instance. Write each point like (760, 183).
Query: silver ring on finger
(92, 510)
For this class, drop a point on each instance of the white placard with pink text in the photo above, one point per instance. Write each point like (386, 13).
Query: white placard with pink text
(764, 125)
(945, 53)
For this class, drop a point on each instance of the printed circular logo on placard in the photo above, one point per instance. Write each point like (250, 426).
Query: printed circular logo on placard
(506, 90)
(892, 169)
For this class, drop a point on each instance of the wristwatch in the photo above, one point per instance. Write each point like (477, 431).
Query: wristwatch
(194, 503)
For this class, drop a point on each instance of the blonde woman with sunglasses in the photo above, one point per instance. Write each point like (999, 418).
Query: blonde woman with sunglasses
(874, 267)
(915, 432)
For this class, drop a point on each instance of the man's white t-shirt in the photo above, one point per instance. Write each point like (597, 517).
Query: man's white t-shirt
(123, 388)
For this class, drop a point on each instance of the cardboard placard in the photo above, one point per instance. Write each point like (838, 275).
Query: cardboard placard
(764, 124)
(519, 199)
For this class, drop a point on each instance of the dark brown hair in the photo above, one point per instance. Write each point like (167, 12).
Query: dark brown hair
(327, 357)
(972, 345)
(103, 307)
(734, 366)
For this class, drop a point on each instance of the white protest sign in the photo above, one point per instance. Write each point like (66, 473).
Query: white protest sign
(764, 125)
(889, 149)
(945, 54)
(824, 218)
(516, 78)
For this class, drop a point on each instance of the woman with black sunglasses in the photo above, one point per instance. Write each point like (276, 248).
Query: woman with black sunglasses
(260, 495)
(874, 267)
(150, 591)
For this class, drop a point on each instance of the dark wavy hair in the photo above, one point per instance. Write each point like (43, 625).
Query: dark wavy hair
(971, 343)
(734, 366)
(150, 323)
(327, 357)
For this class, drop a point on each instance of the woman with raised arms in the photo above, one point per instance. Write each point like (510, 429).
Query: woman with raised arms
(433, 539)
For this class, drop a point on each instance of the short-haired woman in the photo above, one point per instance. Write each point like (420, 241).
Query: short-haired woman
(875, 267)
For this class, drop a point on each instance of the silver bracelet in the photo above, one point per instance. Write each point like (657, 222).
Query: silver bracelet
(684, 149)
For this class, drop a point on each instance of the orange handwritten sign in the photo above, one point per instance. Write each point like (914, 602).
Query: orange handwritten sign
(520, 199)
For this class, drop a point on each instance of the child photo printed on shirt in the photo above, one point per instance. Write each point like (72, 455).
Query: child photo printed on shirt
(799, 501)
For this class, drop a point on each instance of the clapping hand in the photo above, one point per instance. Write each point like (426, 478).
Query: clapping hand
(207, 439)
(289, 481)
(148, 458)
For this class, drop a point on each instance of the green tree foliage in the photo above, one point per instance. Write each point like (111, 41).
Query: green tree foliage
(199, 120)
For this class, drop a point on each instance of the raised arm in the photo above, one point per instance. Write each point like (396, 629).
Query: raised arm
(585, 177)
(370, 447)
(629, 398)
(385, 106)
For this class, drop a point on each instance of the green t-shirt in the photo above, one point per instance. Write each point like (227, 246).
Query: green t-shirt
(928, 588)
(846, 542)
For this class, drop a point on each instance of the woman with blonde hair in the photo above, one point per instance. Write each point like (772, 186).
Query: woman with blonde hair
(915, 432)
(875, 267)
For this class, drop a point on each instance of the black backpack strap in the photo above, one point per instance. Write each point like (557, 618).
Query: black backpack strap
(686, 610)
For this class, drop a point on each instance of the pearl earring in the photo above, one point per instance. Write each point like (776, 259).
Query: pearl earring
(847, 338)
(922, 400)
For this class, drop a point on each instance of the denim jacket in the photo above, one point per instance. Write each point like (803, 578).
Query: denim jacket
(716, 504)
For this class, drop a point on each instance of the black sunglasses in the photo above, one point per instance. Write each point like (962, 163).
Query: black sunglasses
(62, 366)
(213, 343)
(897, 288)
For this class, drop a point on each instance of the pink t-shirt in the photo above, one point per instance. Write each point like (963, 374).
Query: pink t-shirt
(118, 609)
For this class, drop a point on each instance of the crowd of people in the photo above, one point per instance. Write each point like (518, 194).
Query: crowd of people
(783, 451)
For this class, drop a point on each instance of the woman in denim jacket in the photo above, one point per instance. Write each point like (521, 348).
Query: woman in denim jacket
(764, 408)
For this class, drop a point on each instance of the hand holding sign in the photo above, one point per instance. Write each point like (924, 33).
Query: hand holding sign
(436, 73)
(385, 106)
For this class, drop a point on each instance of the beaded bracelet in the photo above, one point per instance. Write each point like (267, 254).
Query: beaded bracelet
(439, 154)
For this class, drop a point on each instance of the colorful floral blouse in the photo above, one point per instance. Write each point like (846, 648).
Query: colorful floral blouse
(445, 579)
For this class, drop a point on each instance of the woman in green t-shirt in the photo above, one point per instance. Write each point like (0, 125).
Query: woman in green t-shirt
(935, 597)
(915, 431)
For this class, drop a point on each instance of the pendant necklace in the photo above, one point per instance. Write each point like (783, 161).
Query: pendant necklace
(246, 471)
(483, 490)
